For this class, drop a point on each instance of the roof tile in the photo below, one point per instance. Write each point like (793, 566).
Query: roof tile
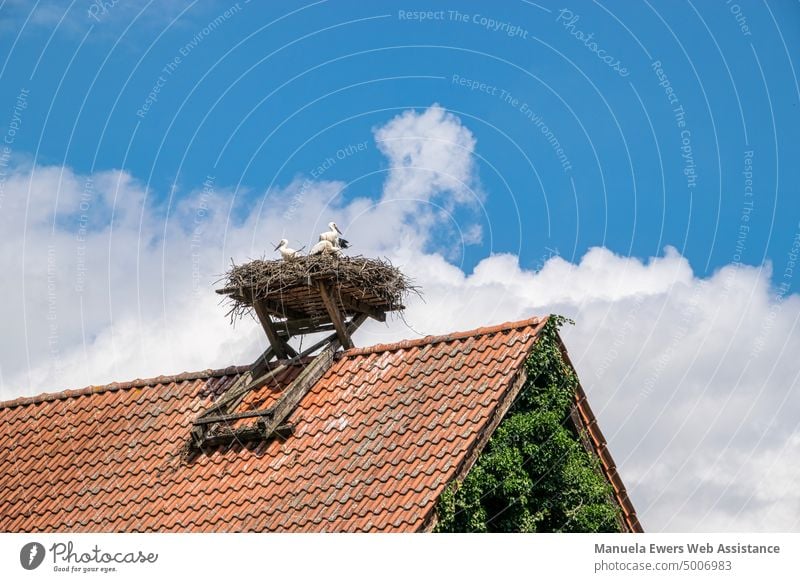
(376, 440)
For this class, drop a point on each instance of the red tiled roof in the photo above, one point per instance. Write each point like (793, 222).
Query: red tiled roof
(375, 442)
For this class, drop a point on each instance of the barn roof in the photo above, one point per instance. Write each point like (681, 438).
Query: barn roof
(375, 442)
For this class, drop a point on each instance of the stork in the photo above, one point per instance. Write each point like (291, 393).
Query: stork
(334, 236)
(325, 247)
(287, 254)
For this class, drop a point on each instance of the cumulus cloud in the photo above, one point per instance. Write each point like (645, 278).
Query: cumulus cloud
(693, 379)
(111, 287)
(430, 153)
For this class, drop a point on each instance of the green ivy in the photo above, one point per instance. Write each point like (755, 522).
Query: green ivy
(534, 474)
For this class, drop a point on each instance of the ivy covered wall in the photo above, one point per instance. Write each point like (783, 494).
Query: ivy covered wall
(534, 475)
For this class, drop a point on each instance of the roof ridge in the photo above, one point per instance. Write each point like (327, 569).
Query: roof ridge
(214, 373)
(115, 386)
(434, 339)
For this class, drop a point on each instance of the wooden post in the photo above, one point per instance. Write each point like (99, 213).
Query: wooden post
(294, 393)
(246, 384)
(278, 346)
(231, 417)
(335, 315)
(271, 421)
(261, 365)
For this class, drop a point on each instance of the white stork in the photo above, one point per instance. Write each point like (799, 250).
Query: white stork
(334, 236)
(325, 247)
(287, 254)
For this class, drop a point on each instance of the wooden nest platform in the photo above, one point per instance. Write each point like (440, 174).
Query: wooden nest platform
(315, 293)
(320, 293)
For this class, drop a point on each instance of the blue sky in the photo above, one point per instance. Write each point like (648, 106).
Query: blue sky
(631, 165)
(269, 92)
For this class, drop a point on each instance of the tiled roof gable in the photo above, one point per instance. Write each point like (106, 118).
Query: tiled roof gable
(376, 440)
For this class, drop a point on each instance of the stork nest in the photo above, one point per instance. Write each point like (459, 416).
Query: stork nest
(374, 281)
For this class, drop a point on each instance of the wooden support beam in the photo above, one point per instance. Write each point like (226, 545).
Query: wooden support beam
(230, 417)
(335, 315)
(246, 434)
(282, 350)
(246, 296)
(293, 327)
(271, 420)
(260, 370)
(290, 351)
(310, 350)
(356, 322)
(277, 343)
(261, 365)
(355, 305)
(294, 330)
(280, 310)
(242, 389)
(352, 326)
(234, 395)
(293, 393)
(302, 322)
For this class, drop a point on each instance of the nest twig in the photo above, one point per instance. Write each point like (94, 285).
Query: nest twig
(377, 278)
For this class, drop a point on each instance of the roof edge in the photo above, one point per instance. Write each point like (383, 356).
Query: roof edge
(496, 417)
(435, 339)
(598, 442)
(115, 386)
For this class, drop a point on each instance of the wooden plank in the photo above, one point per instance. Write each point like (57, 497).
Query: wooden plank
(295, 392)
(237, 389)
(301, 302)
(356, 322)
(236, 393)
(278, 345)
(304, 325)
(243, 389)
(352, 326)
(274, 307)
(335, 315)
(354, 305)
(310, 350)
(289, 399)
(230, 417)
(246, 434)
(290, 351)
(294, 331)
(258, 369)
(281, 310)
(261, 365)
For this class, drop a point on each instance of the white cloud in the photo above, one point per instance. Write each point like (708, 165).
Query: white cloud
(694, 380)
(431, 153)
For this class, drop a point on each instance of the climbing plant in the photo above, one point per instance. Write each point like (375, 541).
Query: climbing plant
(534, 474)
